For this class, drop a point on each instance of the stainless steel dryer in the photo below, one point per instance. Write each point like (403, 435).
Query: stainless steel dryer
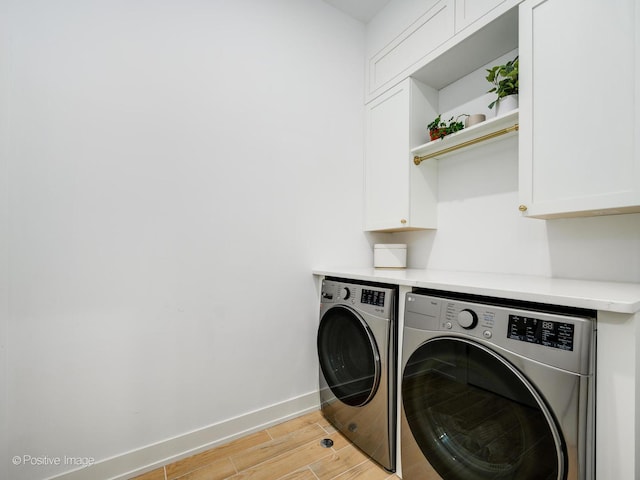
(357, 340)
(496, 389)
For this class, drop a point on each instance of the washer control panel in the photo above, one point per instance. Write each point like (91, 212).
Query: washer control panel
(541, 332)
(551, 336)
(451, 315)
(476, 322)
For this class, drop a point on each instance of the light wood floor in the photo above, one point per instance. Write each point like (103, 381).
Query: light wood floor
(289, 451)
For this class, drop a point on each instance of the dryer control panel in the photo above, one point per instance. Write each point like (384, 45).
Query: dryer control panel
(373, 299)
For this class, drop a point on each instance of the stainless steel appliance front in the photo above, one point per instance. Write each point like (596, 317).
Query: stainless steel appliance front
(496, 390)
(357, 352)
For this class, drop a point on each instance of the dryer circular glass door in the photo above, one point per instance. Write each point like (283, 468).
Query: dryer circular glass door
(476, 417)
(349, 357)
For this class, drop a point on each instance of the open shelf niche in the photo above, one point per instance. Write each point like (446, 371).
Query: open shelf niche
(490, 130)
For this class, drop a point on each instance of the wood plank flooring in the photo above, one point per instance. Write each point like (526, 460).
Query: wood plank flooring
(288, 451)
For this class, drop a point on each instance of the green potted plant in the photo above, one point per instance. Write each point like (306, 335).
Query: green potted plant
(440, 129)
(437, 128)
(504, 79)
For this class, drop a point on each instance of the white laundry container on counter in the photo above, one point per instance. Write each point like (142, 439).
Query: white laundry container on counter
(390, 255)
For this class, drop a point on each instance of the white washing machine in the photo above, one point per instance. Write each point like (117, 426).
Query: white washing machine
(357, 339)
(495, 389)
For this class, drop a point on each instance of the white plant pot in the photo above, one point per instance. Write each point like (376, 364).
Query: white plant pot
(506, 104)
(474, 119)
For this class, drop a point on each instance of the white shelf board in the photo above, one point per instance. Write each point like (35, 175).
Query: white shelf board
(475, 131)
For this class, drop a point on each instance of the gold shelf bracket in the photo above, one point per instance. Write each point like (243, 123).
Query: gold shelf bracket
(418, 160)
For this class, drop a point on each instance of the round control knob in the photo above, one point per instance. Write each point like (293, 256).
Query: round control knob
(467, 319)
(344, 293)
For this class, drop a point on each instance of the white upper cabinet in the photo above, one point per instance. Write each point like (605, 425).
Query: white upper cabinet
(419, 39)
(440, 40)
(399, 196)
(406, 76)
(468, 11)
(579, 104)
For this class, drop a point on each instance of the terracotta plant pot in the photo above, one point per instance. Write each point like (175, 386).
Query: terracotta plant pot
(437, 133)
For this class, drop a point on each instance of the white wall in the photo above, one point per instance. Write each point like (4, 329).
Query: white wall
(175, 168)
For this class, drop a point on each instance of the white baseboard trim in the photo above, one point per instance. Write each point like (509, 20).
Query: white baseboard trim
(136, 462)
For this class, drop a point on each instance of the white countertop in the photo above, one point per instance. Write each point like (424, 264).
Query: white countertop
(605, 296)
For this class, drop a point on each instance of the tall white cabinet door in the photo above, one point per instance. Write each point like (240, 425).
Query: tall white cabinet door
(398, 194)
(468, 11)
(386, 171)
(579, 63)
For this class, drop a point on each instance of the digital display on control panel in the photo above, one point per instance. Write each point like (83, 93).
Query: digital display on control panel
(372, 297)
(542, 332)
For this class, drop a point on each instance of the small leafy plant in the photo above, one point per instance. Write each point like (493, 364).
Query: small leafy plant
(505, 80)
(440, 129)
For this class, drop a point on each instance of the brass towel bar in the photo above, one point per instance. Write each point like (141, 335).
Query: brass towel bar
(418, 160)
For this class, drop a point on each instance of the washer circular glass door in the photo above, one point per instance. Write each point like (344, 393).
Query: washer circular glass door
(476, 417)
(349, 356)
